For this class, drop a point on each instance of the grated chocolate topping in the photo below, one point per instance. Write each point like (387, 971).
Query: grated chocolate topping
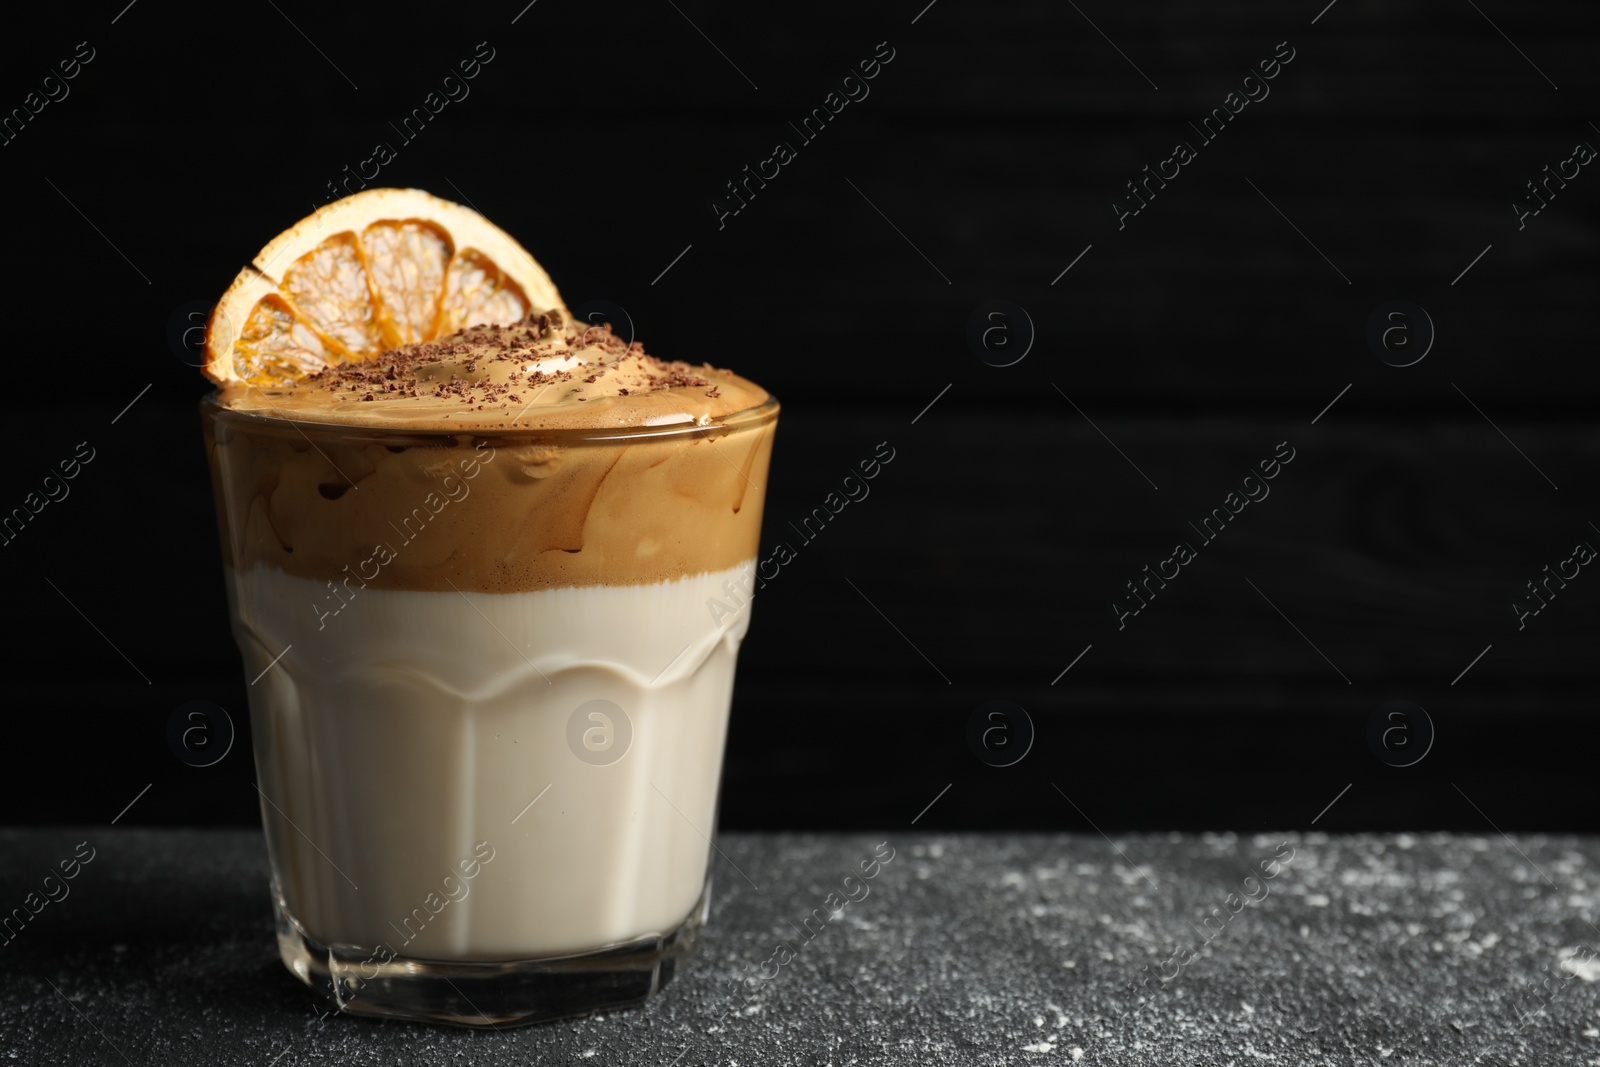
(469, 367)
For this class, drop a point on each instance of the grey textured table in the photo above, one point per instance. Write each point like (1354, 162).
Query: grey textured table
(969, 949)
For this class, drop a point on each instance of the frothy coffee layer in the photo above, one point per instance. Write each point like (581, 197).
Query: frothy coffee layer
(413, 471)
(486, 513)
(542, 373)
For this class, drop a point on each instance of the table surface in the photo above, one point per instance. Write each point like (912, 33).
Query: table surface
(968, 949)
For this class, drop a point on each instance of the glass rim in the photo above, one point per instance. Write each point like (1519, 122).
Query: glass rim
(212, 409)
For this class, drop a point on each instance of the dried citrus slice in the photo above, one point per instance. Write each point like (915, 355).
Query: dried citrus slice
(382, 268)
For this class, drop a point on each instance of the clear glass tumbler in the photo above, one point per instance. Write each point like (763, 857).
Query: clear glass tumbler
(489, 681)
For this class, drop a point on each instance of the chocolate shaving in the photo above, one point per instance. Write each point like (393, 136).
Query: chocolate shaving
(440, 368)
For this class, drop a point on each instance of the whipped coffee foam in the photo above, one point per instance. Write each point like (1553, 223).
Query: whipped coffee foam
(623, 469)
(542, 373)
(414, 734)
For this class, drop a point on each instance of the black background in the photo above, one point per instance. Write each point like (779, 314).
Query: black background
(988, 555)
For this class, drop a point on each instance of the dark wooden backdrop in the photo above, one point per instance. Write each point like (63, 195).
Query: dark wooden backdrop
(1220, 321)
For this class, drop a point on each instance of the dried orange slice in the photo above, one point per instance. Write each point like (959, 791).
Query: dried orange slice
(382, 268)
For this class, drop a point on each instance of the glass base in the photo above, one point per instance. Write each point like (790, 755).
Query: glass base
(503, 993)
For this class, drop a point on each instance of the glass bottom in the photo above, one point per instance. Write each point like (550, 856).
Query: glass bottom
(500, 993)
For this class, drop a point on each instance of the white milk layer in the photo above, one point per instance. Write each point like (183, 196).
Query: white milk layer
(401, 744)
